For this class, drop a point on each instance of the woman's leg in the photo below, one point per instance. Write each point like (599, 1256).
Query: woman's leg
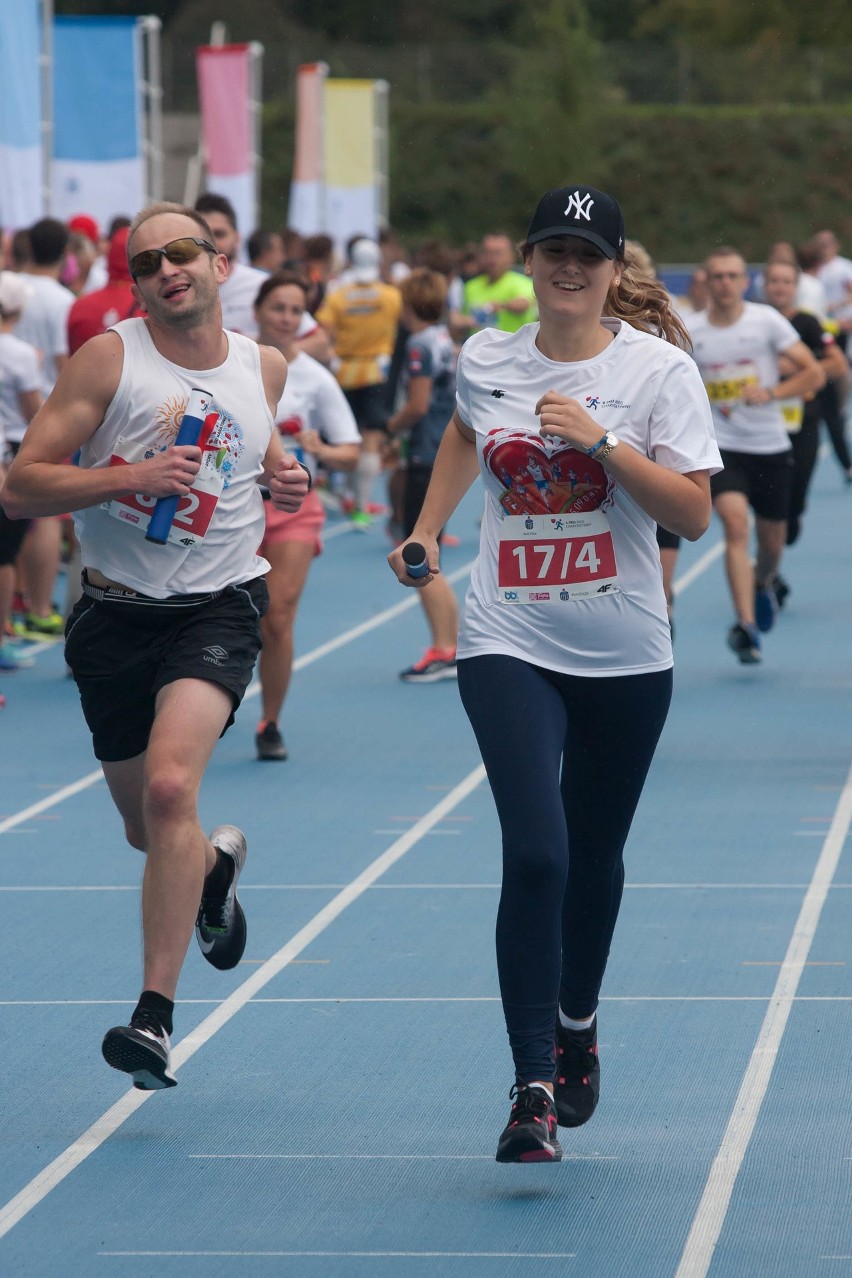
(519, 720)
(290, 561)
(613, 728)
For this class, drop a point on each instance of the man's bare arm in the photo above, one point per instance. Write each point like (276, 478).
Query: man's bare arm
(41, 480)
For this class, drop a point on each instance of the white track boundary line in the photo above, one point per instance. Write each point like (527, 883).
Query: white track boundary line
(685, 580)
(348, 636)
(712, 1209)
(100, 1131)
(51, 801)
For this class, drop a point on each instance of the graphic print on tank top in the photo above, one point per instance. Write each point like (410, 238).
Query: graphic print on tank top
(555, 538)
(222, 441)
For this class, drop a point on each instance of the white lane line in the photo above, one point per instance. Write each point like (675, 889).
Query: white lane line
(100, 1131)
(348, 636)
(418, 887)
(372, 1255)
(425, 998)
(59, 796)
(685, 580)
(710, 1217)
(394, 1158)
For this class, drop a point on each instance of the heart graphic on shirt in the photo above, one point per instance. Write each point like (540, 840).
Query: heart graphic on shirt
(538, 477)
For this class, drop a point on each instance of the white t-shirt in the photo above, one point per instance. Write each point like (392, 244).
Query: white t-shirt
(313, 400)
(733, 356)
(650, 395)
(19, 373)
(811, 296)
(44, 323)
(836, 278)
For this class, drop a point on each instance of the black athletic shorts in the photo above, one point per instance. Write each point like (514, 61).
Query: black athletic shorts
(764, 478)
(369, 406)
(123, 649)
(12, 534)
(667, 540)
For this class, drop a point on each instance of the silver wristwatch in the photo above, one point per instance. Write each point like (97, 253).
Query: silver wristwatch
(604, 446)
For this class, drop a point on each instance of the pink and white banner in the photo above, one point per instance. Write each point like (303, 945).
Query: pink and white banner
(307, 190)
(228, 95)
(339, 184)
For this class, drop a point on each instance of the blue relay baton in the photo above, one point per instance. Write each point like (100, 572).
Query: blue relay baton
(197, 408)
(416, 563)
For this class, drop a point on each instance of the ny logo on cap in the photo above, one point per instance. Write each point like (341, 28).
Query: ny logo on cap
(580, 206)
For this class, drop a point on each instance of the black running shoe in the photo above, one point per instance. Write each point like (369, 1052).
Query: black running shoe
(530, 1136)
(143, 1050)
(577, 1082)
(270, 743)
(221, 924)
(745, 642)
(781, 588)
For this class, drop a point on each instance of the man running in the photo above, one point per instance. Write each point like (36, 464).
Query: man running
(163, 642)
(736, 345)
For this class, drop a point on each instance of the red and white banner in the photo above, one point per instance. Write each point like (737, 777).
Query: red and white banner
(228, 92)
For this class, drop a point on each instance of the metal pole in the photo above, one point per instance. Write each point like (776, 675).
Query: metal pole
(46, 66)
(380, 142)
(152, 85)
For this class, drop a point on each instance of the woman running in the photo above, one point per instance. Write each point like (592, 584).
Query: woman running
(316, 423)
(564, 654)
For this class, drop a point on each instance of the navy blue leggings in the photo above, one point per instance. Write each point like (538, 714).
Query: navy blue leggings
(566, 758)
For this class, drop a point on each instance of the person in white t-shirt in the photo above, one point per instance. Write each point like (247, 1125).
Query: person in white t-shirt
(564, 656)
(316, 423)
(20, 400)
(44, 324)
(737, 345)
(835, 275)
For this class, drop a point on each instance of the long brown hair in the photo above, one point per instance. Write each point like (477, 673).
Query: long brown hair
(644, 303)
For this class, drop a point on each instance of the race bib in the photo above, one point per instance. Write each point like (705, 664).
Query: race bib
(793, 411)
(194, 511)
(725, 383)
(555, 558)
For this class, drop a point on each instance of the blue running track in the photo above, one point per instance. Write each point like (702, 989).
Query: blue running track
(341, 1091)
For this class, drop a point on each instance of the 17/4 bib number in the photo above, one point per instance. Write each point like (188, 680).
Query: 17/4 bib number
(566, 562)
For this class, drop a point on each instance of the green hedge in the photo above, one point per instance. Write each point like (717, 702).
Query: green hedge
(687, 177)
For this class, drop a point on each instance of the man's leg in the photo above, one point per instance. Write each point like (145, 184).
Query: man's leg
(732, 509)
(771, 538)
(190, 716)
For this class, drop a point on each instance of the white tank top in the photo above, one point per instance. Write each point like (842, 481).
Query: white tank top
(144, 415)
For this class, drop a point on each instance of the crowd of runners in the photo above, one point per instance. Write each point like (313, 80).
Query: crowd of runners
(606, 419)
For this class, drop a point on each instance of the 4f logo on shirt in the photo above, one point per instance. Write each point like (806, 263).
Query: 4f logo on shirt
(579, 206)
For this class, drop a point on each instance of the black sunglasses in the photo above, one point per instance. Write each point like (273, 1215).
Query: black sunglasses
(178, 252)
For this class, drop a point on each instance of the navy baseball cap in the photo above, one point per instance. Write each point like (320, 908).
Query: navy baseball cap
(581, 211)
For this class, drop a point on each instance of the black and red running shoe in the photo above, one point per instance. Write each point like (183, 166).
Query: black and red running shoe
(577, 1082)
(530, 1135)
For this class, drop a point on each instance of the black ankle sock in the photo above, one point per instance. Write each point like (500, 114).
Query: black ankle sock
(157, 1006)
(218, 880)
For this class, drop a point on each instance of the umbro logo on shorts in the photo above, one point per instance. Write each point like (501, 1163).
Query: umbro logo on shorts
(215, 655)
